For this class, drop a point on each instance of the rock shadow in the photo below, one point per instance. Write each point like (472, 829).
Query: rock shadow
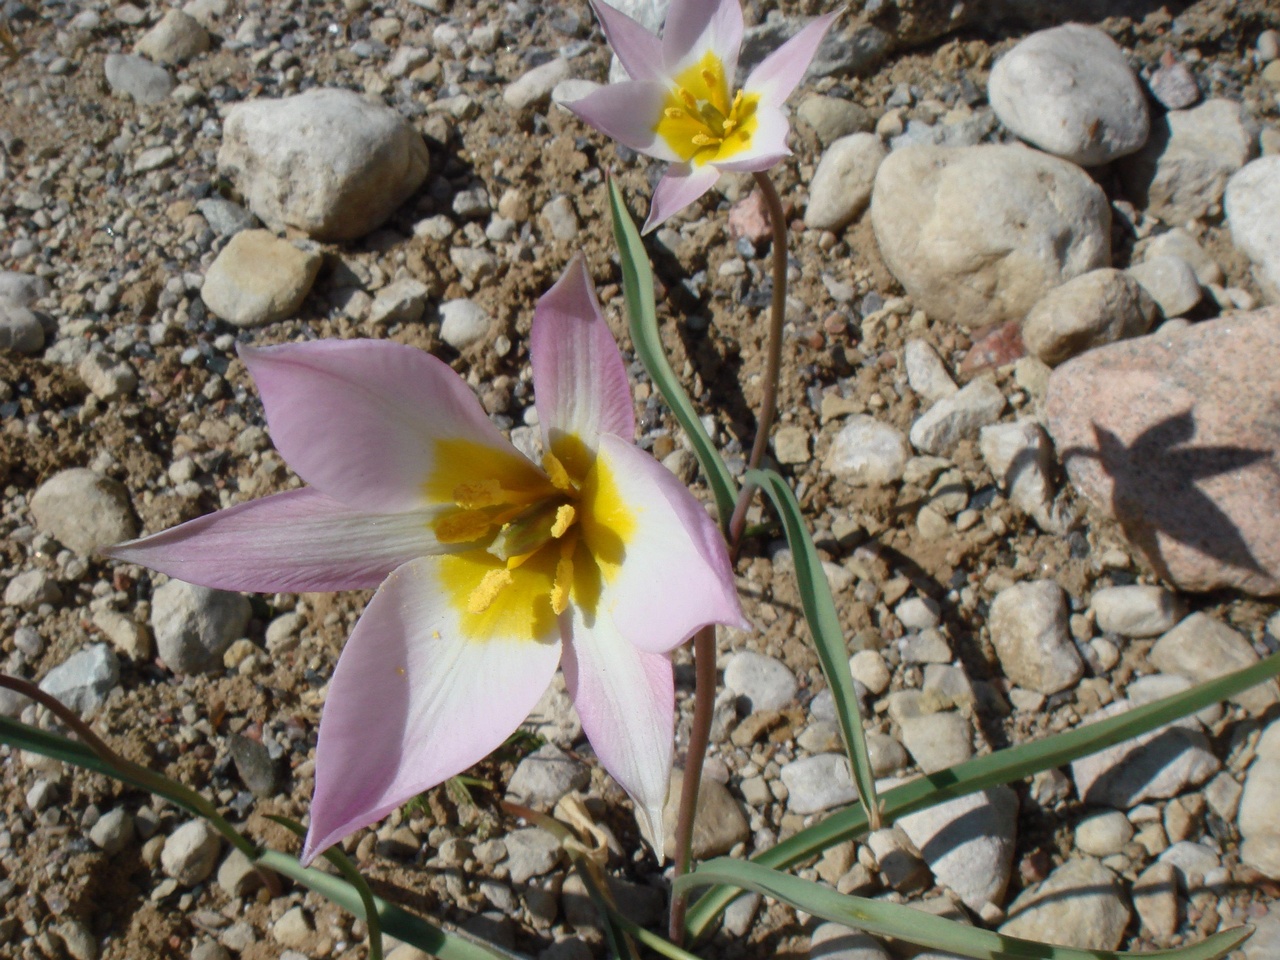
(1154, 490)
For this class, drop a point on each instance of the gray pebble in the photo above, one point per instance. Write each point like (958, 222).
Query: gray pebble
(867, 453)
(113, 831)
(818, 783)
(534, 87)
(138, 78)
(20, 329)
(1028, 623)
(32, 588)
(84, 679)
(546, 775)
(195, 625)
(1137, 610)
(462, 323)
(530, 853)
(191, 852)
(764, 681)
(957, 417)
(1170, 281)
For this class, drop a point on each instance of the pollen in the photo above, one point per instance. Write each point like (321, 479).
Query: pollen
(562, 585)
(689, 99)
(478, 493)
(557, 473)
(565, 515)
(674, 113)
(463, 526)
(703, 140)
(487, 590)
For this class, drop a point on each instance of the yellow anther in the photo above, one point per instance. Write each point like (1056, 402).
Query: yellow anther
(462, 526)
(737, 101)
(702, 140)
(689, 99)
(565, 515)
(478, 493)
(674, 113)
(487, 590)
(709, 78)
(556, 473)
(562, 585)
(728, 127)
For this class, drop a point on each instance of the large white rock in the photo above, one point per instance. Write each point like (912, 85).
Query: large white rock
(1253, 213)
(1101, 306)
(957, 416)
(868, 453)
(1028, 623)
(1070, 91)
(1020, 458)
(175, 39)
(1182, 171)
(968, 843)
(1153, 766)
(977, 235)
(841, 186)
(259, 278)
(1079, 905)
(330, 163)
(84, 510)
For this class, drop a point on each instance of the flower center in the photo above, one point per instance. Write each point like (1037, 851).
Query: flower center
(700, 122)
(514, 527)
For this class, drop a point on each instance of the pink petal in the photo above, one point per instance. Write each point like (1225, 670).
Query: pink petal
(626, 701)
(674, 574)
(412, 702)
(781, 71)
(291, 542)
(580, 384)
(696, 27)
(768, 144)
(680, 186)
(629, 112)
(639, 51)
(363, 422)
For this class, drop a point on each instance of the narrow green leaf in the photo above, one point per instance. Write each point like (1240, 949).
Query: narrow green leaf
(395, 921)
(78, 753)
(886, 919)
(637, 289)
(828, 635)
(353, 876)
(444, 944)
(981, 773)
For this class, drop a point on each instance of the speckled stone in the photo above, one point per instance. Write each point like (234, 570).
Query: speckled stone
(1175, 435)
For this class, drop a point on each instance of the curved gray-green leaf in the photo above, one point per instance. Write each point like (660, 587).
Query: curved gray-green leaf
(637, 289)
(915, 926)
(828, 635)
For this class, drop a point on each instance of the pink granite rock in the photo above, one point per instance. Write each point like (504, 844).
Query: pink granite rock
(749, 218)
(1176, 436)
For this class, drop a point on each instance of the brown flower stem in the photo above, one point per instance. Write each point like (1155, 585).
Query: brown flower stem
(704, 687)
(773, 356)
(704, 641)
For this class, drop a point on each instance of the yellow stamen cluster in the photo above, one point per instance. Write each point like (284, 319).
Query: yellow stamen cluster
(700, 122)
(514, 527)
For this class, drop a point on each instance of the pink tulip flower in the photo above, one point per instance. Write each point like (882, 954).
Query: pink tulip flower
(492, 570)
(678, 105)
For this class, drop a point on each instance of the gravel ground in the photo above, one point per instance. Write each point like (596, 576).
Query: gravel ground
(986, 602)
